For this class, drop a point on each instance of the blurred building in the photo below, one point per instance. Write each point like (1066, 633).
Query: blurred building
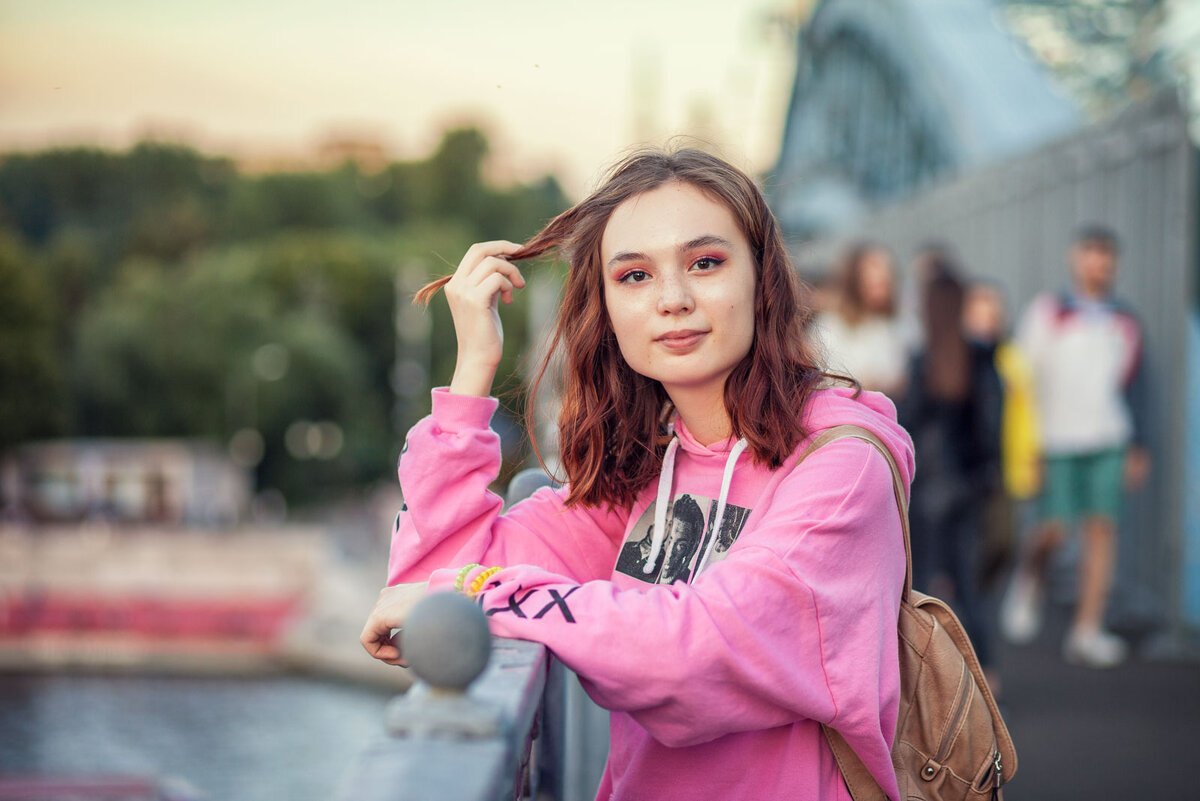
(892, 95)
(171, 482)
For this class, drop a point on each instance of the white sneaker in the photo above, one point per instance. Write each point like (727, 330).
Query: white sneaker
(1096, 648)
(1021, 610)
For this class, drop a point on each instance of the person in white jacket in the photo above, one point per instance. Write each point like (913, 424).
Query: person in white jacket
(1084, 346)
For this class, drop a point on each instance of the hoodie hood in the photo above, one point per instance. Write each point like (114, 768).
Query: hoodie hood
(825, 409)
(873, 411)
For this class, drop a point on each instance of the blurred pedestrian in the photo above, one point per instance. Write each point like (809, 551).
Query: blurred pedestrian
(930, 257)
(1085, 348)
(986, 321)
(951, 407)
(861, 332)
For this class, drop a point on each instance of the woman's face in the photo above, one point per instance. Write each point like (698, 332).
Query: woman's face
(875, 280)
(983, 314)
(679, 280)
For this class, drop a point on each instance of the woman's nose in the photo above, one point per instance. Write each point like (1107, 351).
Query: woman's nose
(674, 295)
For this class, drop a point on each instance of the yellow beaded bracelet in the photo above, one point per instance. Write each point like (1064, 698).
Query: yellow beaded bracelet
(481, 579)
(462, 575)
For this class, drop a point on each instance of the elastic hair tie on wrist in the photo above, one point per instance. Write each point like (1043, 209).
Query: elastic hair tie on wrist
(481, 579)
(462, 576)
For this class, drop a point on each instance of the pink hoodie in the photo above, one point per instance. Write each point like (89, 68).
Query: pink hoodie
(717, 678)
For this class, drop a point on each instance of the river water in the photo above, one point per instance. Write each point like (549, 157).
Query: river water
(261, 739)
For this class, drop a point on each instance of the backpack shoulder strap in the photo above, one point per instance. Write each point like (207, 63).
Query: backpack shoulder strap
(858, 432)
(859, 781)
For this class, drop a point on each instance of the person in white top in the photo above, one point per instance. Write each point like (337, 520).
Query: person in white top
(1085, 347)
(861, 333)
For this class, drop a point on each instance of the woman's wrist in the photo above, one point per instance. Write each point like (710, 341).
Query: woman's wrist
(461, 578)
(468, 580)
(472, 378)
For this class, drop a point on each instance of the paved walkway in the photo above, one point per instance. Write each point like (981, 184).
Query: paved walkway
(1132, 732)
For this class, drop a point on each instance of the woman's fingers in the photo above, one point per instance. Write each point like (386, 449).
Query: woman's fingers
(384, 650)
(481, 251)
(376, 636)
(506, 268)
(472, 283)
(483, 258)
(494, 284)
(390, 612)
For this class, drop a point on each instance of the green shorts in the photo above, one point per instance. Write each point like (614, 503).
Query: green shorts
(1082, 485)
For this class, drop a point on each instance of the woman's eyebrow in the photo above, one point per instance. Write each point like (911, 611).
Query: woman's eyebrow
(708, 240)
(626, 256)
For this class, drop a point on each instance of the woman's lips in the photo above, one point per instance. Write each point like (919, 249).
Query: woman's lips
(680, 340)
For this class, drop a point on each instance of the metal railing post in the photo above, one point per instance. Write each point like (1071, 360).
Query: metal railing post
(465, 729)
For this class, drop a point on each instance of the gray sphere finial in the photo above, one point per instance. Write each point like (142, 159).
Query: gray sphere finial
(446, 641)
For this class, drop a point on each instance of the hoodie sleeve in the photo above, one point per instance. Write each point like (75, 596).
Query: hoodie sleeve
(797, 622)
(450, 517)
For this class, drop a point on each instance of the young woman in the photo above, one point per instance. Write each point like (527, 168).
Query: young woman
(721, 601)
(861, 332)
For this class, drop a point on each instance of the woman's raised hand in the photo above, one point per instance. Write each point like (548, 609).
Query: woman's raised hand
(484, 276)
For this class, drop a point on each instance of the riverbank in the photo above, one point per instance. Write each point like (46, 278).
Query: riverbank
(239, 602)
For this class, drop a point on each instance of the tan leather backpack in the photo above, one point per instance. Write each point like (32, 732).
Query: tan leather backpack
(951, 742)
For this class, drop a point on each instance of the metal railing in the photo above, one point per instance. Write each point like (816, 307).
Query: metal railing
(489, 718)
(467, 728)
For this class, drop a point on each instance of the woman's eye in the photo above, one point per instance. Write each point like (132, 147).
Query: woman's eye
(707, 263)
(633, 277)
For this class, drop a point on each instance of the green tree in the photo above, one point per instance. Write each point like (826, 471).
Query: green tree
(148, 280)
(30, 374)
(172, 353)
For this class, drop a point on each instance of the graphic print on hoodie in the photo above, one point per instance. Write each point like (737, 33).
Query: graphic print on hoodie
(689, 530)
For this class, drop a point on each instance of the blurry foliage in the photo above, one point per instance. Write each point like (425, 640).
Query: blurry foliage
(31, 402)
(139, 286)
(1106, 53)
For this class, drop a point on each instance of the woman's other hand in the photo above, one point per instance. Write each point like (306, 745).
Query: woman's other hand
(484, 276)
(391, 610)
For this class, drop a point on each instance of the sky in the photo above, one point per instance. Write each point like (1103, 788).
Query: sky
(559, 85)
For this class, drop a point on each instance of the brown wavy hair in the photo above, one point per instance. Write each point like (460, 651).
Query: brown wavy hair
(946, 370)
(612, 421)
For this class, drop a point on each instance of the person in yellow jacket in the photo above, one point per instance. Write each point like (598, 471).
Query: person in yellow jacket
(1020, 451)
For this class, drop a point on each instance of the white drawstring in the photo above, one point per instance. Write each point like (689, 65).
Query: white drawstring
(726, 480)
(660, 505)
(665, 479)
